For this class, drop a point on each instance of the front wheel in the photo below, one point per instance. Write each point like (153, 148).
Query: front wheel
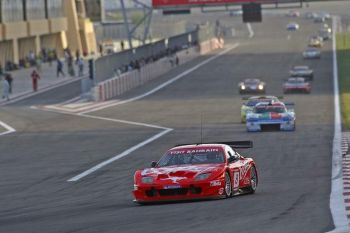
(228, 185)
(253, 180)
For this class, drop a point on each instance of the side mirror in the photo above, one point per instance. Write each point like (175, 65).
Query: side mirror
(153, 164)
(232, 159)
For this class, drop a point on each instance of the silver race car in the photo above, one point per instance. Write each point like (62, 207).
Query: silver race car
(251, 86)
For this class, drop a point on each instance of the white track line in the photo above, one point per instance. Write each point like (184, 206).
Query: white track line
(119, 156)
(337, 199)
(8, 128)
(250, 29)
(167, 83)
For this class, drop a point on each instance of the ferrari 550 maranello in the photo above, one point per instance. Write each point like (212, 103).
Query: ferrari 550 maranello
(197, 171)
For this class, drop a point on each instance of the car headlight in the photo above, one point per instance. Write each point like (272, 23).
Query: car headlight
(243, 87)
(261, 87)
(147, 180)
(203, 176)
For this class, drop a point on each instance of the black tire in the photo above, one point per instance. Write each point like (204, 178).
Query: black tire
(228, 185)
(253, 181)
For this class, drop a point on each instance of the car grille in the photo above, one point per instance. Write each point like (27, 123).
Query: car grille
(270, 127)
(173, 192)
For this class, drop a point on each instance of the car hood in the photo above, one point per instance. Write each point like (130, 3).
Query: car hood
(181, 172)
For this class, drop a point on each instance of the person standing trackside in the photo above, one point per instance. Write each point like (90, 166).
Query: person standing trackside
(5, 89)
(35, 78)
(60, 68)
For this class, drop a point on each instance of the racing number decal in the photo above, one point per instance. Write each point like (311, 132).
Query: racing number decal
(235, 180)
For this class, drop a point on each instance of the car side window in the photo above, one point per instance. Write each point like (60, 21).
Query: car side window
(232, 153)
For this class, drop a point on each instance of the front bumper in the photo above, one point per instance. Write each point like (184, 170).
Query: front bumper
(156, 193)
(281, 125)
(296, 90)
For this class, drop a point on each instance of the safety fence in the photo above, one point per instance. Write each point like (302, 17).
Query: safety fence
(122, 83)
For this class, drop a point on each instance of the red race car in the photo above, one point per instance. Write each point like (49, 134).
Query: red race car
(197, 171)
(298, 84)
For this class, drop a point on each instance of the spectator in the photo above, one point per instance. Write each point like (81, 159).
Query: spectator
(60, 68)
(35, 79)
(122, 46)
(9, 79)
(5, 89)
(70, 67)
(80, 64)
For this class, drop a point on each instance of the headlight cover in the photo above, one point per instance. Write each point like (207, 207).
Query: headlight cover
(261, 87)
(147, 180)
(203, 176)
(243, 87)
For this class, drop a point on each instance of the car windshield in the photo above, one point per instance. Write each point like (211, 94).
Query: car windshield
(251, 81)
(254, 102)
(300, 68)
(270, 109)
(191, 157)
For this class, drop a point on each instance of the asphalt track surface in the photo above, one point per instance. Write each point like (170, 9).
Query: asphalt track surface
(294, 167)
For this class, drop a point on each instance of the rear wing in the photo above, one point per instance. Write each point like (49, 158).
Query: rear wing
(232, 144)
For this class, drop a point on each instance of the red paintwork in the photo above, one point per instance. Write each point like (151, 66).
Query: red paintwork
(183, 175)
(275, 115)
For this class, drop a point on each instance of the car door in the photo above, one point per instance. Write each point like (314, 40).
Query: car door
(234, 165)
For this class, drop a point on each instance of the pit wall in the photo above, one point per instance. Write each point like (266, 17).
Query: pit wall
(118, 85)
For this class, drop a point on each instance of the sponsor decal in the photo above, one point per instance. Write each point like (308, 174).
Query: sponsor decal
(221, 191)
(191, 151)
(215, 183)
(236, 180)
(243, 171)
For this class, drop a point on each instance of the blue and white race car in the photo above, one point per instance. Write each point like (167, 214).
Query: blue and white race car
(271, 116)
(254, 100)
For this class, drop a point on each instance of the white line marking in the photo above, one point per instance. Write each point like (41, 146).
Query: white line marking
(8, 128)
(167, 83)
(119, 156)
(336, 198)
(250, 29)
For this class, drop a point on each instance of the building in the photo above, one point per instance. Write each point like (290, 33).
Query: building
(28, 26)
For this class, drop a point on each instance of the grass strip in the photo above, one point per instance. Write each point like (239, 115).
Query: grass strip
(343, 56)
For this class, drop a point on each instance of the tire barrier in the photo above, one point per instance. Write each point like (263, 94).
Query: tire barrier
(118, 85)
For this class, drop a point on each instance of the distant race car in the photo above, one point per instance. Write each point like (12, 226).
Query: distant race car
(325, 33)
(273, 116)
(293, 85)
(312, 53)
(293, 26)
(251, 86)
(316, 41)
(310, 15)
(293, 13)
(302, 71)
(254, 100)
(197, 171)
(319, 19)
